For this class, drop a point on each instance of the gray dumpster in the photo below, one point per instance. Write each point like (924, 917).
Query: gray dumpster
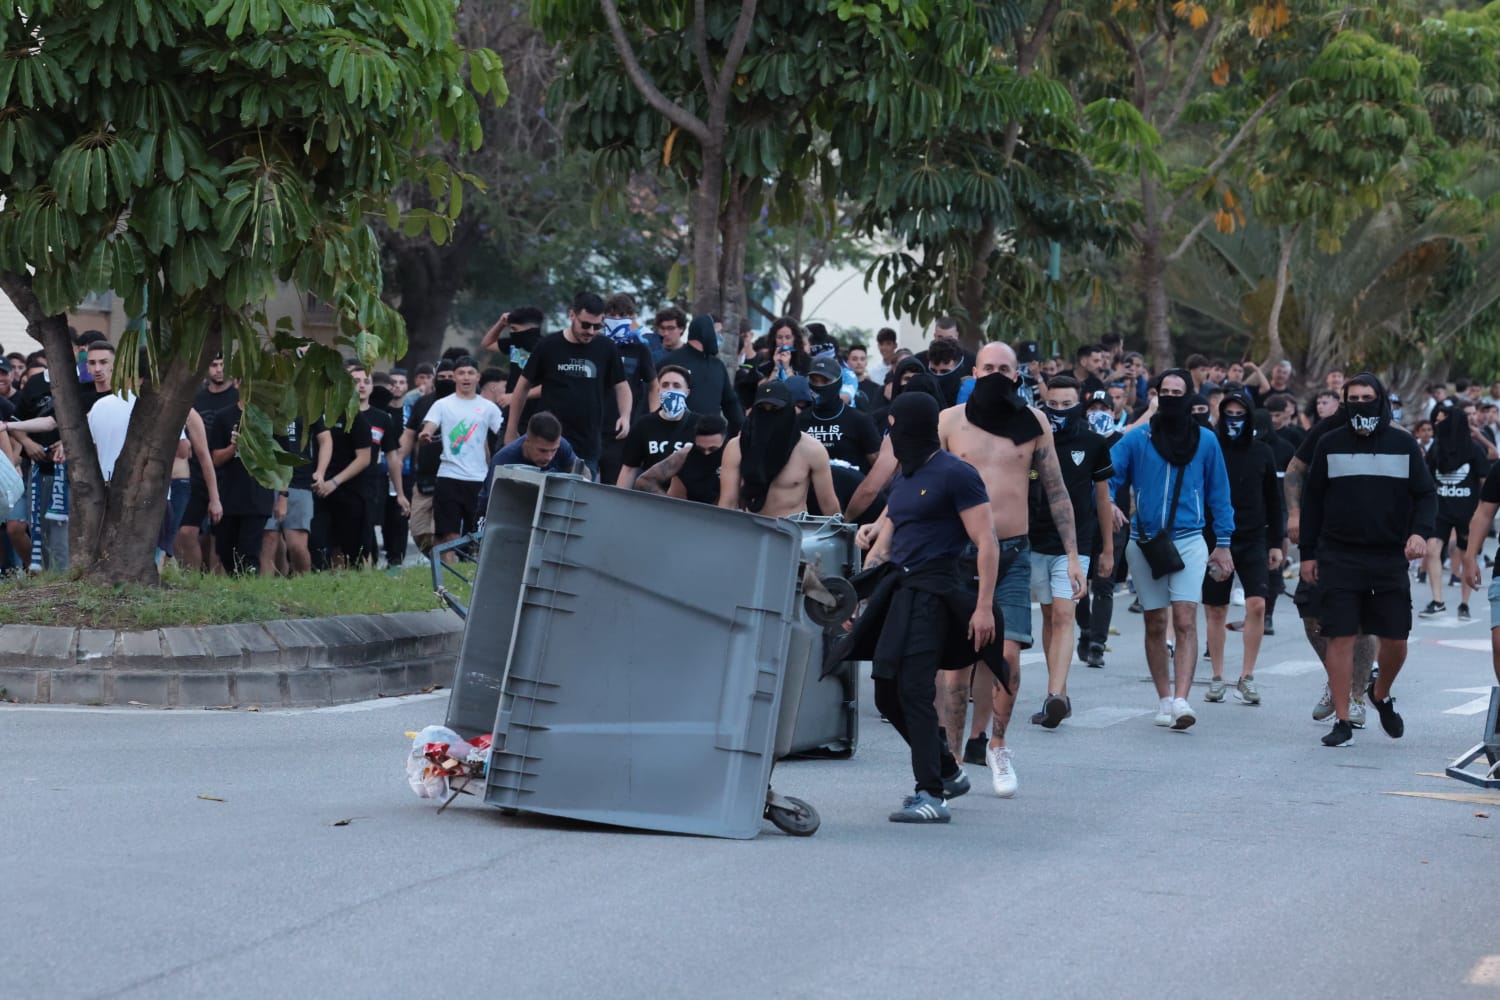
(628, 654)
(823, 711)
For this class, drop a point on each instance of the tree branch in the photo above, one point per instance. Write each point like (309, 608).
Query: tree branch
(700, 45)
(1224, 155)
(719, 98)
(1027, 53)
(1138, 67)
(1187, 240)
(674, 113)
(1190, 84)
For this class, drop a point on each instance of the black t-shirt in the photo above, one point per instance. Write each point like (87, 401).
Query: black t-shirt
(35, 400)
(385, 437)
(849, 437)
(1292, 435)
(574, 380)
(209, 405)
(640, 371)
(870, 396)
(428, 456)
(653, 437)
(700, 476)
(1083, 457)
(297, 440)
(1490, 493)
(1457, 489)
(517, 349)
(238, 492)
(925, 507)
(347, 443)
(7, 410)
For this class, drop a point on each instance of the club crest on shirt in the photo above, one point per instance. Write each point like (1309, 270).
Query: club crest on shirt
(1077, 457)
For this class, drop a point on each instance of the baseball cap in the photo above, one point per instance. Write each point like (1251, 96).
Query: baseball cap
(827, 366)
(773, 394)
(1099, 397)
(799, 389)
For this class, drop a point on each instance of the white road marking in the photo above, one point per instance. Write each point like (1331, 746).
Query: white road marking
(1290, 668)
(1033, 658)
(1102, 717)
(363, 706)
(1473, 645)
(1470, 707)
(1479, 690)
(1486, 972)
(1445, 622)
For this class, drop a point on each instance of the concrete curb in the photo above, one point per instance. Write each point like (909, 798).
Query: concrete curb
(290, 663)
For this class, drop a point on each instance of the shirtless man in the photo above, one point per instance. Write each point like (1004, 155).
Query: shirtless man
(1009, 443)
(767, 469)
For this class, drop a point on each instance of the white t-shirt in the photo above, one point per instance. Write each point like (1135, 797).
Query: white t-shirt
(463, 425)
(109, 418)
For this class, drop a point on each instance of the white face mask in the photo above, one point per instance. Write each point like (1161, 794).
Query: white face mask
(673, 403)
(1101, 422)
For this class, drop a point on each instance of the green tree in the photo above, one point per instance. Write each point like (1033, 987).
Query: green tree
(190, 154)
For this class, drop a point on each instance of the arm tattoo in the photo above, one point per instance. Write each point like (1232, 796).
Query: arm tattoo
(1058, 501)
(1296, 473)
(658, 478)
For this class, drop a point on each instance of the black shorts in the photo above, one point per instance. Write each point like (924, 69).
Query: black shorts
(455, 506)
(1249, 555)
(1447, 524)
(1365, 593)
(1309, 600)
(196, 513)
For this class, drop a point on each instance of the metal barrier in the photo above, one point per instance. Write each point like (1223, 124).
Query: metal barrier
(1489, 750)
(466, 547)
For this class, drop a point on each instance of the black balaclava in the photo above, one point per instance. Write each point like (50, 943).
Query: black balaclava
(443, 387)
(1236, 432)
(767, 442)
(827, 403)
(996, 406)
(921, 383)
(1174, 433)
(1197, 401)
(914, 431)
(1452, 445)
(902, 367)
(1261, 420)
(1367, 418)
(702, 330)
(1064, 422)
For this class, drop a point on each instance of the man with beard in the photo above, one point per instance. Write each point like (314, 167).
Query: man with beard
(770, 466)
(1177, 472)
(922, 616)
(1373, 479)
(1457, 462)
(1255, 493)
(656, 435)
(1083, 458)
(1009, 443)
(690, 473)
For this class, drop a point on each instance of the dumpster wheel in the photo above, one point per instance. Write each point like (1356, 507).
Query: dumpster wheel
(845, 601)
(791, 815)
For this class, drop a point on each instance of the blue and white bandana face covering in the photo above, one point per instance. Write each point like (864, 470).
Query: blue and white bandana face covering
(1101, 422)
(673, 403)
(619, 331)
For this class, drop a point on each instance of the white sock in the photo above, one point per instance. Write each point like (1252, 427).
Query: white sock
(1166, 705)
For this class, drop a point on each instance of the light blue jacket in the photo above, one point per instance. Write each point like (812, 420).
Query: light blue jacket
(1205, 491)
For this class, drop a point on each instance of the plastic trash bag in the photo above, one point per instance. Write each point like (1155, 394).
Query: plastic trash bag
(427, 765)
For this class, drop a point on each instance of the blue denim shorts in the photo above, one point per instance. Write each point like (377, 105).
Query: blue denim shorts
(1013, 588)
(1495, 604)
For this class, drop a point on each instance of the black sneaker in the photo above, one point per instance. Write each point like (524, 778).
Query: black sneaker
(1096, 655)
(974, 749)
(956, 784)
(1083, 648)
(1054, 710)
(1453, 581)
(1135, 606)
(1270, 627)
(1421, 576)
(1433, 609)
(1390, 719)
(1341, 735)
(1463, 613)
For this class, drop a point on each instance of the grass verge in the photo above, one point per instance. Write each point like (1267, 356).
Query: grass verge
(187, 599)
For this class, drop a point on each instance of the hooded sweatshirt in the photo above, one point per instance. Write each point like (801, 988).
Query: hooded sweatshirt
(1205, 486)
(1367, 494)
(711, 390)
(1254, 489)
(1457, 463)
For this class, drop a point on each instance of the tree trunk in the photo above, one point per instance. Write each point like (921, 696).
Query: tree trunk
(973, 302)
(736, 229)
(1153, 279)
(85, 484)
(430, 277)
(125, 549)
(1273, 321)
(707, 293)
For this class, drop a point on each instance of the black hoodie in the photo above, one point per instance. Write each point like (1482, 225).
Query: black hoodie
(711, 389)
(1366, 495)
(1254, 489)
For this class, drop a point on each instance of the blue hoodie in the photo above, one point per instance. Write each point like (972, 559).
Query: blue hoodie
(1138, 464)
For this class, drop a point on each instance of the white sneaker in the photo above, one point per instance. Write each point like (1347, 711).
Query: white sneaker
(1002, 775)
(1164, 712)
(1182, 714)
(1237, 597)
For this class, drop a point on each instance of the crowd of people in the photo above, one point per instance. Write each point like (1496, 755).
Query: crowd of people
(982, 482)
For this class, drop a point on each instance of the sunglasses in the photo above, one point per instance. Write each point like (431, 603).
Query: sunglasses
(590, 326)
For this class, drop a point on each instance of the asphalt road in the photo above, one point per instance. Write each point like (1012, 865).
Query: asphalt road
(1238, 859)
